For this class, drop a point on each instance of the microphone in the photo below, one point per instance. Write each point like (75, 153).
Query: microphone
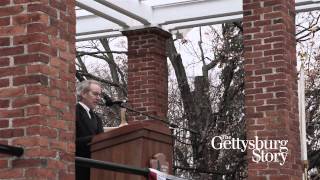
(109, 102)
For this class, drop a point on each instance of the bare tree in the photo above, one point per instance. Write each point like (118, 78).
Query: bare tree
(111, 74)
(205, 119)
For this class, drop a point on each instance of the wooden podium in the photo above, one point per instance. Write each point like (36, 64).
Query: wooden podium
(134, 145)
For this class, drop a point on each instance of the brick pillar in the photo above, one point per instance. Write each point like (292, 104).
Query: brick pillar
(37, 88)
(271, 105)
(147, 72)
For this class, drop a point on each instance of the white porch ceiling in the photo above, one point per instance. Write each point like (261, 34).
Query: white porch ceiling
(107, 18)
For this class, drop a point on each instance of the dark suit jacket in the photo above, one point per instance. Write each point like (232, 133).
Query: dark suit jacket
(84, 136)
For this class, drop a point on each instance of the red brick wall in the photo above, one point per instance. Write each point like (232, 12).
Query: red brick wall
(147, 72)
(271, 108)
(37, 88)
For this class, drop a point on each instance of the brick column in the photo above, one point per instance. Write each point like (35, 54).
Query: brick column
(37, 88)
(271, 105)
(147, 71)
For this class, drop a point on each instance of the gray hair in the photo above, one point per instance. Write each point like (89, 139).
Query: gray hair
(84, 87)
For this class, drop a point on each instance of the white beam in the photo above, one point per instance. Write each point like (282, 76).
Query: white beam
(131, 8)
(97, 35)
(94, 8)
(307, 5)
(195, 10)
(193, 13)
(133, 14)
(204, 22)
(302, 114)
(90, 24)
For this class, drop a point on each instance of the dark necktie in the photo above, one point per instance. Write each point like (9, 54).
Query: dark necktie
(93, 121)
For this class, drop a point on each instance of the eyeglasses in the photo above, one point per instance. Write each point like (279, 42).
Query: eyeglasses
(97, 94)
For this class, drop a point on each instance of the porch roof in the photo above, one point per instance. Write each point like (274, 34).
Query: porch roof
(107, 18)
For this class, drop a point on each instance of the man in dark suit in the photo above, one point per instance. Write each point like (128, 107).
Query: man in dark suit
(88, 124)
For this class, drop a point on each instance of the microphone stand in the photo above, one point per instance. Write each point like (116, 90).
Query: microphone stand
(123, 109)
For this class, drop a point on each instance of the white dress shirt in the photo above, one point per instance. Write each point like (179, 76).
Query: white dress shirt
(86, 108)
